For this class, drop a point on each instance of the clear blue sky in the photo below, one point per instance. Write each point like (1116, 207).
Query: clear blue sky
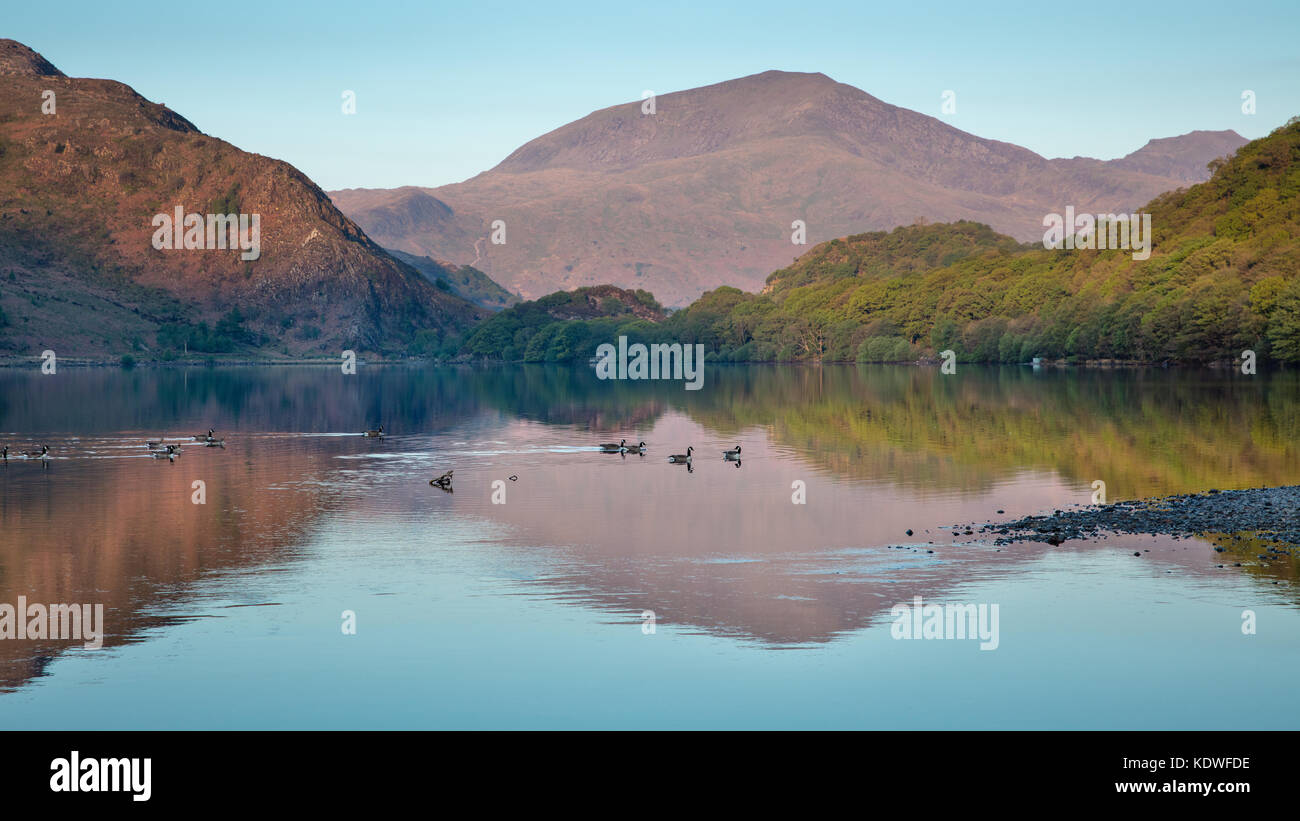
(445, 90)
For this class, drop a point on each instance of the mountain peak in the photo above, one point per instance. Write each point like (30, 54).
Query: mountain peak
(705, 120)
(18, 59)
(1182, 157)
(776, 75)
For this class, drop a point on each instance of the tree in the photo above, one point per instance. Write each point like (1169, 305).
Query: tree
(1284, 324)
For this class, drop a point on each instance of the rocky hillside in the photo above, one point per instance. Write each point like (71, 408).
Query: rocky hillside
(81, 183)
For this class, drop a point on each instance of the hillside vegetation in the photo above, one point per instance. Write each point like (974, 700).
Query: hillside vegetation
(566, 325)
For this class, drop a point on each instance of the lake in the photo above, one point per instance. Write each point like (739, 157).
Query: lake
(322, 582)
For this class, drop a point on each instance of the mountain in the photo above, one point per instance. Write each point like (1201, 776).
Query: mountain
(80, 188)
(465, 281)
(1222, 279)
(704, 191)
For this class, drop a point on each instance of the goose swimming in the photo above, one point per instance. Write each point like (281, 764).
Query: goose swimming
(636, 448)
(211, 432)
(610, 447)
(443, 481)
(43, 453)
(375, 434)
(681, 458)
(731, 454)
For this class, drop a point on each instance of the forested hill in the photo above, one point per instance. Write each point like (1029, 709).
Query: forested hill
(1223, 276)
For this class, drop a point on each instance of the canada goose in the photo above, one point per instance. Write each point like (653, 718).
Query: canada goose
(153, 445)
(6, 453)
(211, 432)
(681, 458)
(443, 481)
(636, 448)
(215, 443)
(610, 447)
(731, 454)
(170, 452)
(43, 453)
(375, 434)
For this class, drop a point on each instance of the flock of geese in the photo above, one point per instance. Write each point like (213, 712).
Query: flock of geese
(443, 482)
(160, 449)
(686, 458)
(43, 454)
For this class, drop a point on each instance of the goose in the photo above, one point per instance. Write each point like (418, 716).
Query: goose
(43, 453)
(636, 448)
(215, 443)
(6, 453)
(610, 447)
(170, 452)
(154, 445)
(375, 434)
(443, 481)
(211, 432)
(681, 458)
(731, 454)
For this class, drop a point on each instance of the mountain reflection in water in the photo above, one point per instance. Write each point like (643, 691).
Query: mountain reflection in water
(721, 550)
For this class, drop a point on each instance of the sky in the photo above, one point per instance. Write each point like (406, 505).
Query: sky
(444, 91)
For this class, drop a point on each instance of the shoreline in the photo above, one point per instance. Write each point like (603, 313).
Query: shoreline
(12, 362)
(1268, 517)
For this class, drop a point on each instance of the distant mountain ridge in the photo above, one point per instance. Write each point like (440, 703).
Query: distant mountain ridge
(704, 191)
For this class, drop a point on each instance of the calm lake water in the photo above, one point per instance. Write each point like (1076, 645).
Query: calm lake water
(532, 612)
